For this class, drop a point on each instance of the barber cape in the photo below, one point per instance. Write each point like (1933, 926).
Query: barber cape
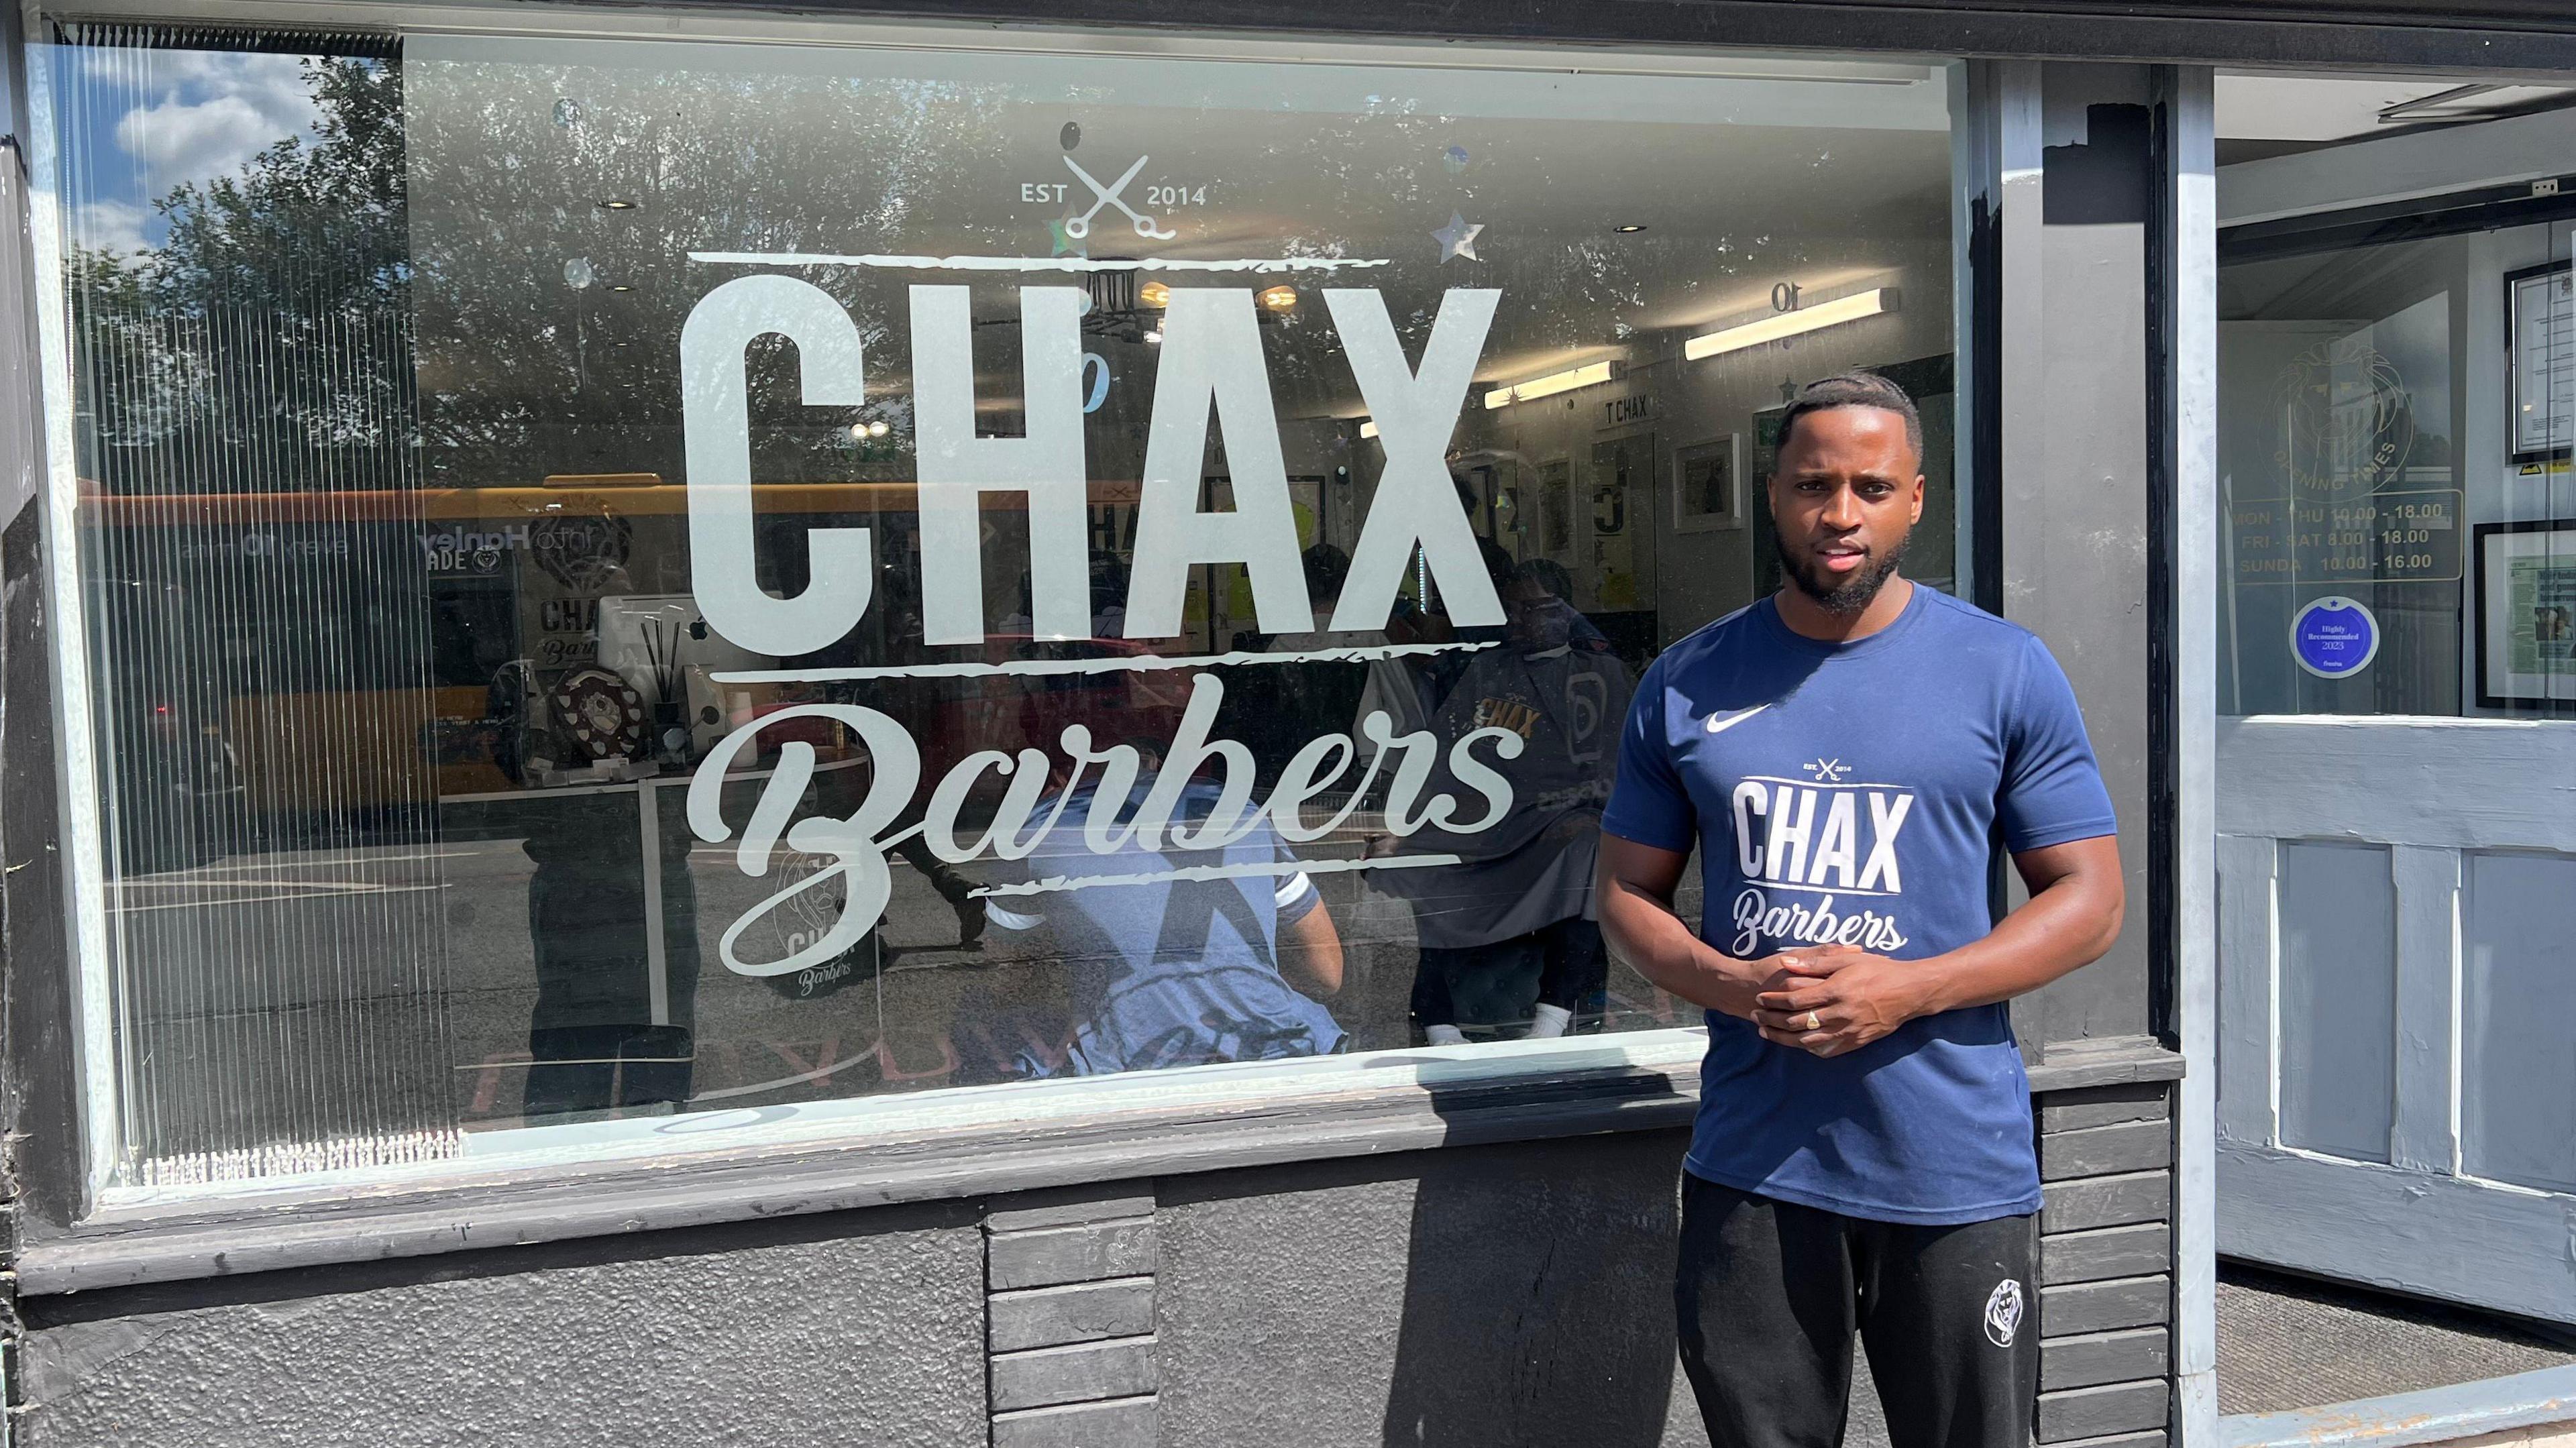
(1534, 866)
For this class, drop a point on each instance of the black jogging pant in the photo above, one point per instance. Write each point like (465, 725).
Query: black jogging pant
(1770, 1293)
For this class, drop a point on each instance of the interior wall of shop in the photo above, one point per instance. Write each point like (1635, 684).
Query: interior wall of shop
(1437, 1293)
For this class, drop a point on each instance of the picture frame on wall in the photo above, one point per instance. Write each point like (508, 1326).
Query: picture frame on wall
(1556, 506)
(2540, 361)
(1708, 484)
(2526, 614)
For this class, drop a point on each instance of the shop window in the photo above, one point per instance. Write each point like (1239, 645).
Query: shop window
(630, 578)
(2396, 405)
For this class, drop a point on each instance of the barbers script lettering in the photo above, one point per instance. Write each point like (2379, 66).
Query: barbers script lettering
(1211, 366)
(1819, 861)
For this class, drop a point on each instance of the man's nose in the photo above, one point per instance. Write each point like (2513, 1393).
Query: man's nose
(1843, 511)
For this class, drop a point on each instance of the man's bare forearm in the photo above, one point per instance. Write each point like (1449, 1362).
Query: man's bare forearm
(1640, 924)
(2072, 917)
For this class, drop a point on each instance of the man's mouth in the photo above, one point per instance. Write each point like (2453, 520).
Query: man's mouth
(1843, 557)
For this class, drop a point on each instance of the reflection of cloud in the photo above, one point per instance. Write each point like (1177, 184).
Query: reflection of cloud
(217, 110)
(181, 142)
(115, 226)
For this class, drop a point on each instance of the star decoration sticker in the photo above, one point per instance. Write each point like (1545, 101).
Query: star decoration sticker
(1827, 771)
(1458, 238)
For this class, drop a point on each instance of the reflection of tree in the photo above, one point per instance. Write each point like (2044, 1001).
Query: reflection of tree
(266, 345)
(271, 341)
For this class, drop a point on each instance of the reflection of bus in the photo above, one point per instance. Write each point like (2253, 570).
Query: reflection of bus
(353, 655)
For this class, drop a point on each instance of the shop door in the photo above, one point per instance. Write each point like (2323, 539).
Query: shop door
(2396, 771)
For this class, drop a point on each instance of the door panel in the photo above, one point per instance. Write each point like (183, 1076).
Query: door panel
(2369, 937)
(2338, 991)
(2519, 929)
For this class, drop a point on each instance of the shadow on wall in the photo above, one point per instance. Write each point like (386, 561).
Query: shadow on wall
(1538, 1295)
(1507, 1295)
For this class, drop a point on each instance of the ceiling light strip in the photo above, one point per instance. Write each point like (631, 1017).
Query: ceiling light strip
(1790, 324)
(1552, 384)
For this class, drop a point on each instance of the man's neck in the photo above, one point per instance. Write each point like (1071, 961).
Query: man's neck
(1809, 619)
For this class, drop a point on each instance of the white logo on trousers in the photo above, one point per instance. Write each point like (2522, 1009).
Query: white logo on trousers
(2003, 1313)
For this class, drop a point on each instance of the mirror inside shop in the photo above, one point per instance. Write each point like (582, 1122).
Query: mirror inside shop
(641, 577)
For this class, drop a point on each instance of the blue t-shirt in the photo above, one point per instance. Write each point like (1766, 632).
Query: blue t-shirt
(1848, 792)
(1169, 972)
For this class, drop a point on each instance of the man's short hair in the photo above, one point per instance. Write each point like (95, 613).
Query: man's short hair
(1547, 573)
(1853, 389)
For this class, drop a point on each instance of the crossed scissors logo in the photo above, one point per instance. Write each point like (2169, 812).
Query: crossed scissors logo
(1080, 226)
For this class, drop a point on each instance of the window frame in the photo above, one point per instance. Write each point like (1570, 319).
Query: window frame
(1611, 1081)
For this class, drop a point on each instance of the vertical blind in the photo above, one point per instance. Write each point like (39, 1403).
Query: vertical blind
(259, 624)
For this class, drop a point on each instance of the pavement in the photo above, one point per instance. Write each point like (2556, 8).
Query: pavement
(2292, 1342)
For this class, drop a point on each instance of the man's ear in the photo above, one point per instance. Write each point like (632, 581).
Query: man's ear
(1918, 501)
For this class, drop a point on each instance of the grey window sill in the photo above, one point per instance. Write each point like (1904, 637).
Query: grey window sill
(123, 1248)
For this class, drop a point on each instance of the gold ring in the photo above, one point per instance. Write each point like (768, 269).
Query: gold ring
(1815, 1022)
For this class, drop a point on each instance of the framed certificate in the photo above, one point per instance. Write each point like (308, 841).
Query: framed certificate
(2540, 361)
(1708, 484)
(2526, 617)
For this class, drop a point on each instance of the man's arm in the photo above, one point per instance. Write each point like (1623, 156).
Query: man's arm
(1310, 950)
(1854, 998)
(1633, 890)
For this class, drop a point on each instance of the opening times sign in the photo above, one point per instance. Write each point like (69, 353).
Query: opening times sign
(2393, 537)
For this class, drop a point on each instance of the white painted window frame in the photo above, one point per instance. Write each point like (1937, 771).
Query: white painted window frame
(2191, 315)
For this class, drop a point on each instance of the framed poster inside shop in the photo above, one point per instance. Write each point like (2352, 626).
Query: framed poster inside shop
(1708, 484)
(2540, 361)
(2526, 615)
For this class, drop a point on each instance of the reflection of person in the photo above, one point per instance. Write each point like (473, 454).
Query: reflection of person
(1177, 972)
(916, 703)
(1296, 703)
(1839, 754)
(1509, 935)
(591, 1036)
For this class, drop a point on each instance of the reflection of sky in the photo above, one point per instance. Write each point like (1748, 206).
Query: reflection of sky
(136, 124)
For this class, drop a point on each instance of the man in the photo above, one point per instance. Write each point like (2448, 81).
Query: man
(1162, 970)
(1509, 939)
(1840, 754)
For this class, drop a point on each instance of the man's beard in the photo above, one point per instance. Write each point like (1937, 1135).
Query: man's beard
(1850, 595)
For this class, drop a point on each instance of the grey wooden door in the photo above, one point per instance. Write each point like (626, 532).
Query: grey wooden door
(2397, 1004)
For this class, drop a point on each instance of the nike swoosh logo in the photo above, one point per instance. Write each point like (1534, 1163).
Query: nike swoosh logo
(1717, 725)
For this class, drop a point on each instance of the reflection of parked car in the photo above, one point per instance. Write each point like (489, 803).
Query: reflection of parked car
(175, 777)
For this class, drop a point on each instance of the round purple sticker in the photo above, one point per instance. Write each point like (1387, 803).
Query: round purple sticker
(2334, 637)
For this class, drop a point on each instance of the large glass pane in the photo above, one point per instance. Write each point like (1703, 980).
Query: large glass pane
(693, 576)
(2397, 380)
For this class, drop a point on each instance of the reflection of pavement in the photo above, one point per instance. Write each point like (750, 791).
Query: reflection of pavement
(261, 972)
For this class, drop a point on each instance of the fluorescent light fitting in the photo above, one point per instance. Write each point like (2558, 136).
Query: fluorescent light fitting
(1368, 429)
(1790, 324)
(1552, 384)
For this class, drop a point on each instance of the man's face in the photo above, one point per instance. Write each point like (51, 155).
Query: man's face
(1846, 492)
(1539, 619)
